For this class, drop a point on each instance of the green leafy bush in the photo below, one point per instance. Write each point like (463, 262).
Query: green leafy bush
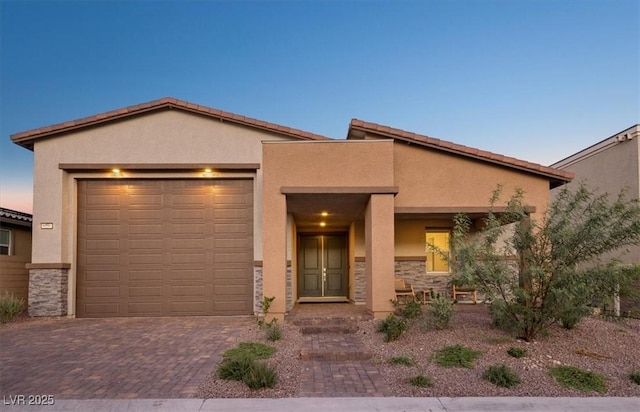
(392, 327)
(440, 312)
(516, 352)
(501, 375)
(572, 377)
(10, 307)
(456, 356)
(236, 368)
(241, 364)
(421, 381)
(411, 310)
(402, 360)
(635, 376)
(570, 317)
(253, 350)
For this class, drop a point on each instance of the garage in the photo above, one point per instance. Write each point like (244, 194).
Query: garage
(164, 247)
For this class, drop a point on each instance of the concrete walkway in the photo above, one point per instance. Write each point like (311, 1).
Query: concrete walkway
(346, 404)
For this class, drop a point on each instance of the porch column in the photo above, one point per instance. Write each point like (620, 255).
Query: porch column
(379, 233)
(274, 252)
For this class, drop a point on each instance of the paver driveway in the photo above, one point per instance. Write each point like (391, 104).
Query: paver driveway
(114, 358)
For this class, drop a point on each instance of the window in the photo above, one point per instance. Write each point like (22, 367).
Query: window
(437, 250)
(5, 242)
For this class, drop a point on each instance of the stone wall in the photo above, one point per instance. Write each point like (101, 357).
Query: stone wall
(257, 289)
(414, 272)
(360, 282)
(48, 292)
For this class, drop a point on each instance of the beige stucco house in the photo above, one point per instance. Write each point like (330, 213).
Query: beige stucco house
(171, 208)
(15, 252)
(610, 166)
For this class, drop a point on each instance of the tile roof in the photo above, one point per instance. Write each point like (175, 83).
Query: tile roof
(558, 176)
(27, 138)
(15, 215)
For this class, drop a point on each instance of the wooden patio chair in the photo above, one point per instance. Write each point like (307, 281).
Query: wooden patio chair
(404, 289)
(465, 291)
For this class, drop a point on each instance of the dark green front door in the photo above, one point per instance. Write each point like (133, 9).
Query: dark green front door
(322, 266)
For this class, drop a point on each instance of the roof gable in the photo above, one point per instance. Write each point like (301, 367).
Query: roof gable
(358, 129)
(27, 139)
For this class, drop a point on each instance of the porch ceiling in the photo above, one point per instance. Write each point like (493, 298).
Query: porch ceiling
(341, 209)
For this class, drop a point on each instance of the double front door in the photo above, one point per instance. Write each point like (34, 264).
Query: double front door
(322, 266)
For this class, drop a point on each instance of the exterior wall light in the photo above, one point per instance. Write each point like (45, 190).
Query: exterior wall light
(116, 173)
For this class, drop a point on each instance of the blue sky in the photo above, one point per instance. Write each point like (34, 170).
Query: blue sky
(533, 79)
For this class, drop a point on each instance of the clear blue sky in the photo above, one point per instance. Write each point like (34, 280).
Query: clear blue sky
(533, 79)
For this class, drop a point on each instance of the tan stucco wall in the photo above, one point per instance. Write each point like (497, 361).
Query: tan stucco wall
(610, 170)
(436, 179)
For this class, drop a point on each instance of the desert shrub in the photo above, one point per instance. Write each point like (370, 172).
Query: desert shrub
(456, 356)
(411, 310)
(559, 257)
(402, 360)
(273, 332)
(10, 307)
(421, 381)
(440, 312)
(236, 368)
(635, 376)
(501, 375)
(516, 352)
(572, 377)
(259, 376)
(570, 317)
(392, 327)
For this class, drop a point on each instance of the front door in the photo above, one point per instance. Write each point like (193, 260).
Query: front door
(322, 267)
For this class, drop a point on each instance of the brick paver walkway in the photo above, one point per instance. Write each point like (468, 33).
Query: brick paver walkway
(114, 358)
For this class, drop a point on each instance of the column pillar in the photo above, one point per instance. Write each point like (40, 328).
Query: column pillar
(380, 254)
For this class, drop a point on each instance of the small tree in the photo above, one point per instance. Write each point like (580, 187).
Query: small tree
(537, 274)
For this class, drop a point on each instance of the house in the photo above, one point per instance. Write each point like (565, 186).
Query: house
(610, 166)
(169, 208)
(15, 252)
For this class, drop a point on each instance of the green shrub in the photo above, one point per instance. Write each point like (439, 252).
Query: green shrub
(402, 360)
(421, 381)
(456, 356)
(273, 332)
(10, 307)
(259, 376)
(440, 312)
(635, 376)
(236, 368)
(411, 310)
(392, 327)
(570, 317)
(516, 352)
(572, 377)
(253, 350)
(501, 375)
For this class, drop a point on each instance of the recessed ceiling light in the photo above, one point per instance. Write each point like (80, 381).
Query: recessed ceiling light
(325, 214)
(323, 224)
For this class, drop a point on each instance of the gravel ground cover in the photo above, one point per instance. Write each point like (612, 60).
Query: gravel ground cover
(610, 348)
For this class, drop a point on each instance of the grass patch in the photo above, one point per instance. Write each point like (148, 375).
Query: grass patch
(241, 364)
(421, 381)
(10, 307)
(516, 352)
(501, 375)
(456, 356)
(402, 360)
(273, 332)
(572, 377)
(252, 350)
(635, 376)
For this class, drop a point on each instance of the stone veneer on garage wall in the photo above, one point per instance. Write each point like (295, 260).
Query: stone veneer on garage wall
(257, 289)
(48, 292)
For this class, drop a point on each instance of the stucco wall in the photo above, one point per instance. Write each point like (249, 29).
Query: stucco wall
(433, 178)
(166, 137)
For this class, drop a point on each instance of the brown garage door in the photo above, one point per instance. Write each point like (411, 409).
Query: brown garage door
(164, 247)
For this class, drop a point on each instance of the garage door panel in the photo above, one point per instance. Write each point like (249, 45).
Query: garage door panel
(158, 248)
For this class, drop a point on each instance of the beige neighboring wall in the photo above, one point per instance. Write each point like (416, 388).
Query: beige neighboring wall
(433, 178)
(14, 277)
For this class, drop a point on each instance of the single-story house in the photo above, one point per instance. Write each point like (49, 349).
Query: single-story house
(170, 208)
(15, 252)
(611, 165)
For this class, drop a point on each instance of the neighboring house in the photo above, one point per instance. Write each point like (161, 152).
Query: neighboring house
(171, 208)
(15, 252)
(610, 166)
